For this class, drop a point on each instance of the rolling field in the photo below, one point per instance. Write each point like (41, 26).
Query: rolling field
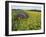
(32, 22)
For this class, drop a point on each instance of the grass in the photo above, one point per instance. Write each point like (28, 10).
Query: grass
(33, 22)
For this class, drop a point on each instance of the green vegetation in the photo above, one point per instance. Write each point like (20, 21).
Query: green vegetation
(33, 22)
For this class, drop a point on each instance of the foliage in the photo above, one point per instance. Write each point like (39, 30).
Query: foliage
(33, 22)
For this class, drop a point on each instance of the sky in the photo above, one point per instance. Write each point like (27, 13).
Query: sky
(28, 7)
